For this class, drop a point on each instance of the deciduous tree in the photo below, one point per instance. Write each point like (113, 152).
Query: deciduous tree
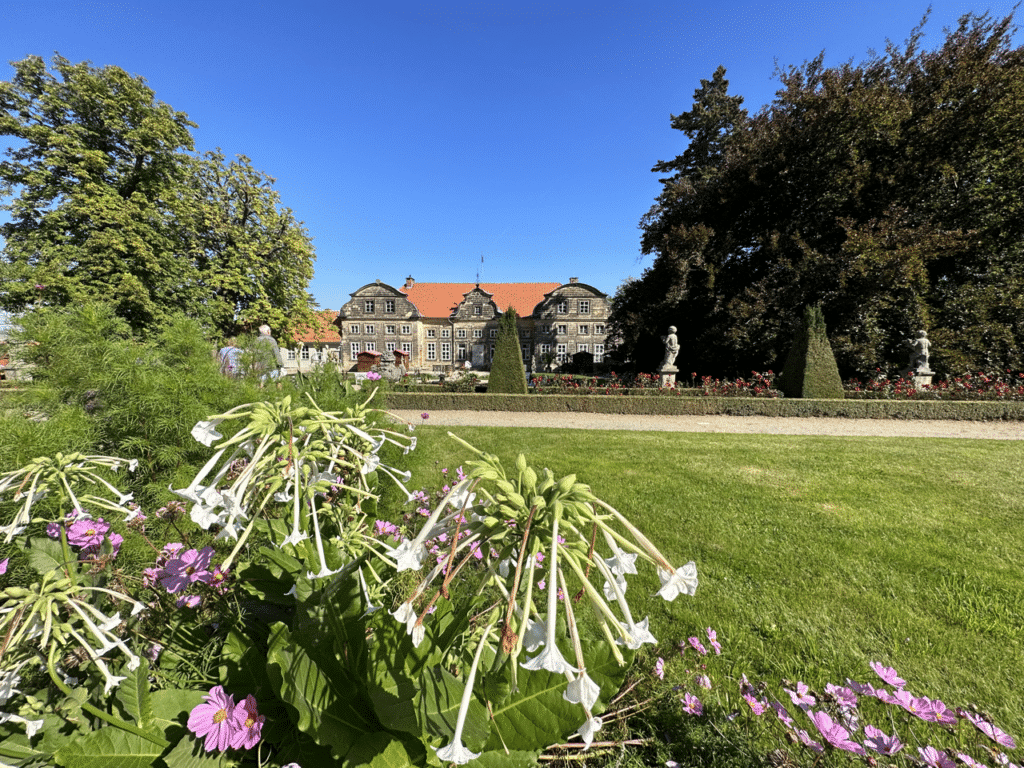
(887, 192)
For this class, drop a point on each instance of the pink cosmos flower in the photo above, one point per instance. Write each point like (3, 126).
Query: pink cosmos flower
(214, 719)
(756, 705)
(935, 758)
(713, 639)
(844, 696)
(807, 741)
(999, 737)
(782, 713)
(696, 645)
(888, 674)
(692, 705)
(704, 681)
(659, 668)
(373, 376)
(248, 724)
(3, 565)
(878, 741)
(834, 733)
(187, 568)
(969, 761)
(87, 533)
(864, 689)
(188, 601)
(801, 697)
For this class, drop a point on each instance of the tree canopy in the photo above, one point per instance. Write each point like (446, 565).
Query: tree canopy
(107, 200)
(887, 192)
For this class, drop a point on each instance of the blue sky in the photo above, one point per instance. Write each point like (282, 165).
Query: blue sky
(416, 137)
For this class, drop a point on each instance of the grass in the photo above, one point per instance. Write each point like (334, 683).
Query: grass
(816, 555)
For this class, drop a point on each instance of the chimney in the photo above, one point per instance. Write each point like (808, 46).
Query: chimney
(409, 282)
(574, 280)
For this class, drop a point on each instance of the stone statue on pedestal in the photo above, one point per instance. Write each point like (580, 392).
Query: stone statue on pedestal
(671, 350)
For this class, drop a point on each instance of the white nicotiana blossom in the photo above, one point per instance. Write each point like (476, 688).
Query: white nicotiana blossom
(206, 432)
(404, 614)
(589, 728)
(682, 581)
(9, 678)
(609, 590)
(534, 636)
(31, 726)
(551, 658)
(455, 752)
(582, 690)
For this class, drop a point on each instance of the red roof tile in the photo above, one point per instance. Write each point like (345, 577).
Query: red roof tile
(325, 330)
(441, 299)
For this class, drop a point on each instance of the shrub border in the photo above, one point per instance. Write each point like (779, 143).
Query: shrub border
(956, 410)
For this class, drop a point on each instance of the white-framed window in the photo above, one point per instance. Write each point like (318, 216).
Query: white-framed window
(478, 333)
(431, 333)
(431, 350)
(560, 353)
(461, 333)
(369, 330)
(546, 328)
(371, 346)
(289, 354)
(478, 309)
(354, 350)
(389, 330)
(563, 307)
(599, 330)
(584, 307)
(389, 306)
(581, 347)
(584, 330)
(446, 333)
(354, 328)
(526, 352)
(493, 333)
(390, 346)
(492, 351)
(406, 330)
(563, 330)
(461, 352)
(446, 350)
(305, 353)
(598, 353)
(368, 306)
(407, 347)
(545, 348)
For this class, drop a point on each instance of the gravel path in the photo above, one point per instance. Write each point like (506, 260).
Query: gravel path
(977, 430)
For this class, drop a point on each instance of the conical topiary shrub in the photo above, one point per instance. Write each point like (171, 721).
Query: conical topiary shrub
(810, 369)
(507, 374)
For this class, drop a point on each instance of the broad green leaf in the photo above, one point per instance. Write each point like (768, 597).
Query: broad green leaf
(191, 753)
(16, 747)
(383, 750)
(108, 748)
(537, 715)
(44, 555)
(314, 682)
(169, 704)
(497, 758)
(133, 693)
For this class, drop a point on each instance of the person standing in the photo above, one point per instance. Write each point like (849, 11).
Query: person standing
(228, 357)
(269, 346)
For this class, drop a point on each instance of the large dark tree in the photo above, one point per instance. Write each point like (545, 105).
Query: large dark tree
(888, 193)
(106, 201)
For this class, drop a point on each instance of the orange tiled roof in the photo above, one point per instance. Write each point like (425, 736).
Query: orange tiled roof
(441, 299)
(324, 330)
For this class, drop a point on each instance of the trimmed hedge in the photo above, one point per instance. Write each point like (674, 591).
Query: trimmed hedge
(956, 410)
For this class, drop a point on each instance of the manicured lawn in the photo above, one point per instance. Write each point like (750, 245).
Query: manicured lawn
(816, 555)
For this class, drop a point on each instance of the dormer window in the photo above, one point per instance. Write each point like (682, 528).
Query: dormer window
(563, 307)
(368, 306)
(478, 309)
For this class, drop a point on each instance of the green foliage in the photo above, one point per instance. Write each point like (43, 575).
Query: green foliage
(885, 191)
(810, 369)
(507, 373)
(105, 202)
(706, 406)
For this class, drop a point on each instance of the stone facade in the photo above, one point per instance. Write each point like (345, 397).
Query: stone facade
(442, 325)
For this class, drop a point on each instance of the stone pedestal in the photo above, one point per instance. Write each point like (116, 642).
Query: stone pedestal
(922, 379)
(668, 376)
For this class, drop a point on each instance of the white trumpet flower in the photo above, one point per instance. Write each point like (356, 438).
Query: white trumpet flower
(455, 751)
(589, 728)
(582, 690)
(681, 581)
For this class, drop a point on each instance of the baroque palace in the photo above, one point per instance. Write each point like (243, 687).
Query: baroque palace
(436, 326)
